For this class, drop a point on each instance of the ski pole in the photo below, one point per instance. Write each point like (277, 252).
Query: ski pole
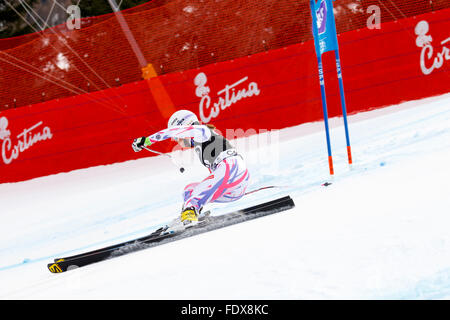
(326, 184)
(167, 155)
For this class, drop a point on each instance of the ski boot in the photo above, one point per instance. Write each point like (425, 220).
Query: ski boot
(189, 216)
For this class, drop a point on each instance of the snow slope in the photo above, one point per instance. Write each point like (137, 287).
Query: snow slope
(380, 231)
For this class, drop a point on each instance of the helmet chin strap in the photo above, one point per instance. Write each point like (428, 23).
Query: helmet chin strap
(187, 143)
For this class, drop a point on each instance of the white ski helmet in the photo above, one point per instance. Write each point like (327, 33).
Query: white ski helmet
(182, 118)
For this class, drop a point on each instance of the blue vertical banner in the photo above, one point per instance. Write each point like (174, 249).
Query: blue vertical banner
(324, 26)
(325, 39)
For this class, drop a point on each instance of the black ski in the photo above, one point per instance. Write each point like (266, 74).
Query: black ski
(159, 237)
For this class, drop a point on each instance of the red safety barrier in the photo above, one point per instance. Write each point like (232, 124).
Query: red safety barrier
(404, 60)
(174, 35)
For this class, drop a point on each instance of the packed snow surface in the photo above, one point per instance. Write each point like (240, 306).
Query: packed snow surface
(380, 231)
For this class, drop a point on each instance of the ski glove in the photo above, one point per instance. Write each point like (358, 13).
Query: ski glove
(139, 143)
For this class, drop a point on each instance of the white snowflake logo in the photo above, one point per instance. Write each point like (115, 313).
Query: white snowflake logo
(4, 132)
(200, 81)
(421, 30)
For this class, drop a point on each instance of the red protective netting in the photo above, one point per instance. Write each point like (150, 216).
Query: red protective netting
(8, 43)
(173, 35)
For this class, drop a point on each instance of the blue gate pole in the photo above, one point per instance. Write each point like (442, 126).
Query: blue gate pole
(343, 104)
(325, 112)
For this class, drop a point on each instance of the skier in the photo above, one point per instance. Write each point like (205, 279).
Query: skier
(228, 178)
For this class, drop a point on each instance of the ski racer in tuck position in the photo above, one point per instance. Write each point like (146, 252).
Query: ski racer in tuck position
(229, 176)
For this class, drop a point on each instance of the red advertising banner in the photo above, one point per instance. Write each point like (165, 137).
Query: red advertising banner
(404, 60)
